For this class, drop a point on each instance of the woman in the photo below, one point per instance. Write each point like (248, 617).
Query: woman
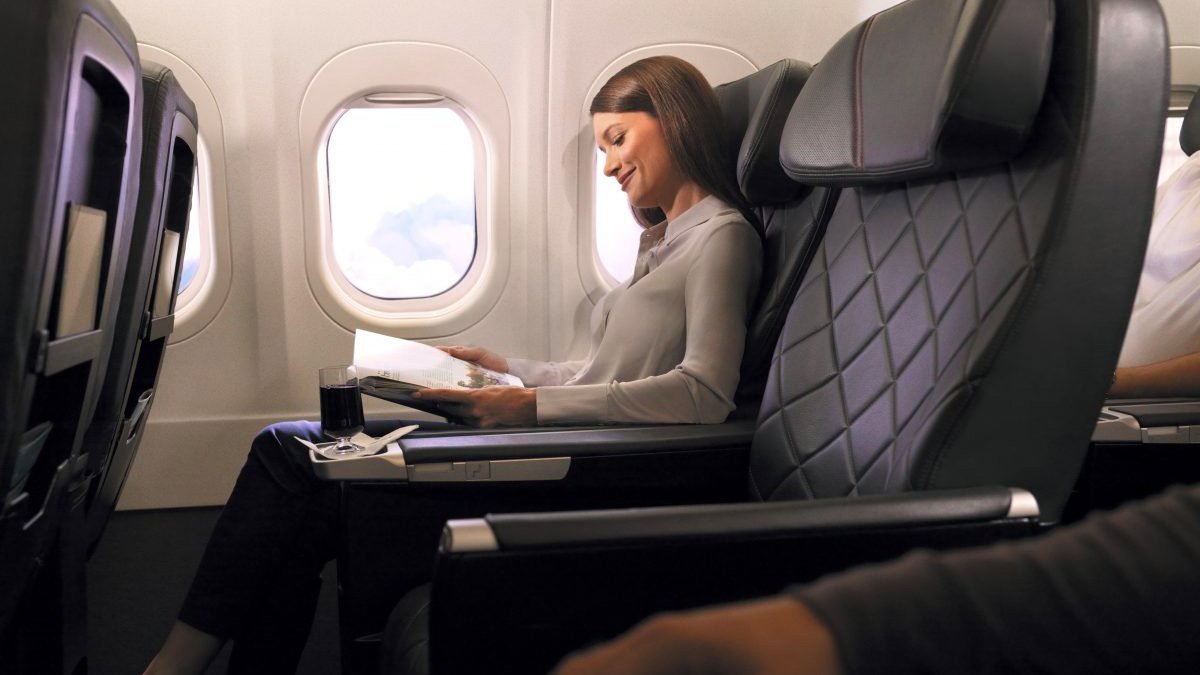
(665, 347)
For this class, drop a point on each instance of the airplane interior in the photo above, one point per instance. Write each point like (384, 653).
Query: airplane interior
(962, 208)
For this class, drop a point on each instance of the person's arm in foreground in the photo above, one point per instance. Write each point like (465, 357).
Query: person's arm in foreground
(774, 636)
(1117, 594)
(1179, 376)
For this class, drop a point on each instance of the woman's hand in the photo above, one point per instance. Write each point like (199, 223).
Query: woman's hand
(767, 637)
(479, 355)
(487, 407)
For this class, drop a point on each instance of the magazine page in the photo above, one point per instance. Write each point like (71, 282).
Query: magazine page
(413, 365)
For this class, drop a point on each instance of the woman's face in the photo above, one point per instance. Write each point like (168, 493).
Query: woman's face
(636, 155)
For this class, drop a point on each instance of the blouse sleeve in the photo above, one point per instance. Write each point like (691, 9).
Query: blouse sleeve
(1115, 594)
(718, 292)
(544, 373)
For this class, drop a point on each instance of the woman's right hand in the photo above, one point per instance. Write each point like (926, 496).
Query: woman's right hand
(478, 355)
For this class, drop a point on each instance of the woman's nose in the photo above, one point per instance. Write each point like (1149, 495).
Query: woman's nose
(611, 162)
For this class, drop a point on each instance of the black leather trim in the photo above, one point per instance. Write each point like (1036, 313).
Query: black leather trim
(470, 445)
(664, 524)
(965, 93)
(1189, 135)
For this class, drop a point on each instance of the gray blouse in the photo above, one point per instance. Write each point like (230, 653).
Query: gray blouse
(666, 346)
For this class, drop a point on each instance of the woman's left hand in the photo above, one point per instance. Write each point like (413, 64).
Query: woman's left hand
(487, 407)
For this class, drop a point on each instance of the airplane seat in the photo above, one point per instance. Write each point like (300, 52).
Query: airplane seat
(146, 311)
(610, 465)
(791, 214)
(71, 139)
(942, 361)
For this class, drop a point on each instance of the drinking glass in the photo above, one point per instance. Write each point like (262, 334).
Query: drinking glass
(341, 410)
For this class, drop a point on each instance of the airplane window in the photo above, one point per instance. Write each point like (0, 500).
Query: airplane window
(402, 199)
(617, 231)
(1172, 156)
(192, 246)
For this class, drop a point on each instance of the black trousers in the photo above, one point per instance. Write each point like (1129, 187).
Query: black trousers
(260, 576)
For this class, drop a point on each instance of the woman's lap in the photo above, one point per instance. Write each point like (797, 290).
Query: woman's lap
(280, 522)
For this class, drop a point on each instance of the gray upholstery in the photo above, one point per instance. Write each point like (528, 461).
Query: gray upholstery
(1189, 134)
(923, 88)
(962, 329)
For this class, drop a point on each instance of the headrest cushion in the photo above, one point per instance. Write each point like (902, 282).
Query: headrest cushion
(1189, 135)
(755, 109)
(921, 89)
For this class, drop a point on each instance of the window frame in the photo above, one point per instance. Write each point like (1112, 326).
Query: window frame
(390, 74)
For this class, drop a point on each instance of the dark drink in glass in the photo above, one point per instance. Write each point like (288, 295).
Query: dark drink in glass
(341, 410)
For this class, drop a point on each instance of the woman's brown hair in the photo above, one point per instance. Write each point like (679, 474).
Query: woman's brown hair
(678, 96)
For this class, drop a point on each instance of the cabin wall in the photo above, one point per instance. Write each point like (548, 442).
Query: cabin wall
(255, 362)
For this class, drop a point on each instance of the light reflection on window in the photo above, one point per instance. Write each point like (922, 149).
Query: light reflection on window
(192, 246)
(402, 199)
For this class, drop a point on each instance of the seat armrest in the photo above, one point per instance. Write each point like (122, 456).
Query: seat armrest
(474, 445)
(663, 525)
(526, 589)
(550, 454)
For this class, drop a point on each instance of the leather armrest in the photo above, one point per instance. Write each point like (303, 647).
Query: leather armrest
(526, 589)
(550, 454)
(663, 525)
(475, 444)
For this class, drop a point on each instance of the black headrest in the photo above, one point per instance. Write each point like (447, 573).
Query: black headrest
(924, 88)
(756, 108)
(163, 97)
(1189, 135)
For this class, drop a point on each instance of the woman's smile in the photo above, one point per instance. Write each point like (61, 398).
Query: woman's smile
(623, 179)
(637, 157)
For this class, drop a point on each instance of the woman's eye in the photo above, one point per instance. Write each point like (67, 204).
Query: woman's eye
(617, 140)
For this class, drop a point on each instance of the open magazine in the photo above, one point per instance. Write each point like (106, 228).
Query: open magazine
(393, 368)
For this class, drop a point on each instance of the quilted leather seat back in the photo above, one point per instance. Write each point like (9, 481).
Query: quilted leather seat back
(961, 329)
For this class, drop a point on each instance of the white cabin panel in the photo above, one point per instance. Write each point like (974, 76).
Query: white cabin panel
(256, 361)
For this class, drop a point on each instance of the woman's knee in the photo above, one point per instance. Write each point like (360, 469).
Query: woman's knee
(277, 443)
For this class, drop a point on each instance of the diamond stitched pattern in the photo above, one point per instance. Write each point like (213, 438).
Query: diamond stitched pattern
(891, 319)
